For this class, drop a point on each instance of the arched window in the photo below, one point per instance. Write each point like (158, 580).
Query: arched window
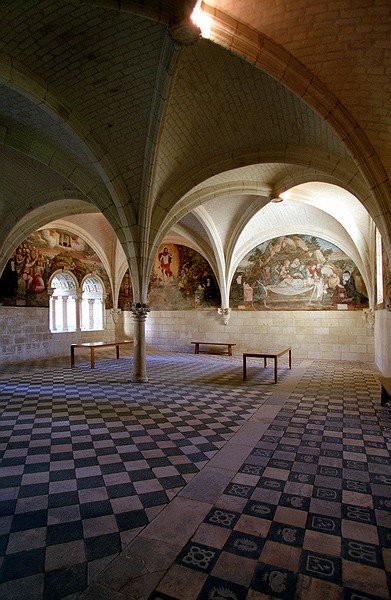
(379, 269)
(63, 303)
(92, 304)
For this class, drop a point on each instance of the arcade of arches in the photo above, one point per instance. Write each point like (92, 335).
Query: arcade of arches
(253, 159)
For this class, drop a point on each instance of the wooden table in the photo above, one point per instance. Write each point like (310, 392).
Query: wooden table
(198, 344)
(265, 355)
(93, 345)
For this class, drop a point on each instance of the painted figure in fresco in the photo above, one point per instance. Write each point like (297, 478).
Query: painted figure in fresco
(209, 286)
(260, 293)
(165, 259)
(248, 292)
(340, 296)
(299, 272)
(352, 293)
(38, 285)
(27, 273)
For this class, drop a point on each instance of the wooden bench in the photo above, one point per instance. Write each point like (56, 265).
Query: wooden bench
(275, 355)
(385, 398)
(211, 344)
(93, 345)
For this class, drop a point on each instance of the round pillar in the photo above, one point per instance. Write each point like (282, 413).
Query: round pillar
(140, 312)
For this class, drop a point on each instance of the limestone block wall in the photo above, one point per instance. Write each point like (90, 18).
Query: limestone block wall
(323, 335)
(383, 341)
(25, 335)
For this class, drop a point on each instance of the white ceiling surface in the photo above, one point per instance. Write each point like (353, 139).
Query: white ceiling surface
(97, 106)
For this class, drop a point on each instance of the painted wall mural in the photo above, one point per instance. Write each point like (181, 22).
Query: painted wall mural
(181, 279)
(26, 276)
(297, 272)
(386, 280)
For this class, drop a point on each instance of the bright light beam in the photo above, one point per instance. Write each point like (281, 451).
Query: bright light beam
(201, 20)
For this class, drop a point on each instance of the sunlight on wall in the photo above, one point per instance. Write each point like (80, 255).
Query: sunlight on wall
(202, 20)
(379, 269)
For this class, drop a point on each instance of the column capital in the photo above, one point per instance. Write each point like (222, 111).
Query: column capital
(115, 314)
(225, 313)
(140, 311)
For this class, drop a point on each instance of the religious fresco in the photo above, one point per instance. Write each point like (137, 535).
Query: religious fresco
(26, 276)
(386, 281)
(125, 296)
(181, 279)
(297, 272)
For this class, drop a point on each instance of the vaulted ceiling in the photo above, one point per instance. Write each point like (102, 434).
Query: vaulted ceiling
(120, 111)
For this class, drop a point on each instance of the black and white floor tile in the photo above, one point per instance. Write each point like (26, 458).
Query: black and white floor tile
(88, 459)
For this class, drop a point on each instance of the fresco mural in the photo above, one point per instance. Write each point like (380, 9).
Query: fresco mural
(297, 272)
(181, 279)
(386, 281)
(125, 296)
(25, 279)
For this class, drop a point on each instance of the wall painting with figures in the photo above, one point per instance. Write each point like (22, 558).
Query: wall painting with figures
(297, 272)
(25, 279)
(181, 279)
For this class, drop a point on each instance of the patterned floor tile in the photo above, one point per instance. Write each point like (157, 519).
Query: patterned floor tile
(87, 459)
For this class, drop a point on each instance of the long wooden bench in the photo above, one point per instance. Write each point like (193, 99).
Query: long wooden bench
(91, 346)
(385, 397)
(210, 345)
(275, 355)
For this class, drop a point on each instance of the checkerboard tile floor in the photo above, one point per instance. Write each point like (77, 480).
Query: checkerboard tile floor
(309, 512)
(89, 459)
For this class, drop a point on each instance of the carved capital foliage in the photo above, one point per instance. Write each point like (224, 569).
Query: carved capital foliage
(225, 313)
(140, 311)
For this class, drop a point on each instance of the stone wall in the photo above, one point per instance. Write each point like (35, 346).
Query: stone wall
(329, 335)
(24, 333)
(383, 341)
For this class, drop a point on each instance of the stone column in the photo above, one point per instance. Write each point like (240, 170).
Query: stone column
(64, 300)
(52, 308)
(91, 303)
(140, 312)
(78, 310)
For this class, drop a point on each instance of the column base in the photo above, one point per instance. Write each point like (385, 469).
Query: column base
(140, 379)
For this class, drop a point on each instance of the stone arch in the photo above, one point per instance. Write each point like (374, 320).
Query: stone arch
(267, 54)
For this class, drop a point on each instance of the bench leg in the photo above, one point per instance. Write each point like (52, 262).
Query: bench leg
(92, 358)
(196, 348)
(275, 369)
(72, 356)
(290, 359)
(117, 349)
(244, 368)
(229, 350)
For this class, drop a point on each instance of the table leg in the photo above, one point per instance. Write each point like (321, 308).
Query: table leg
(264, 362)
(92, 357)
(290, 359)
(244, 368)
(196, 348)
(275, 369)
(229, 350)
(72, 356)
(117, 349)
